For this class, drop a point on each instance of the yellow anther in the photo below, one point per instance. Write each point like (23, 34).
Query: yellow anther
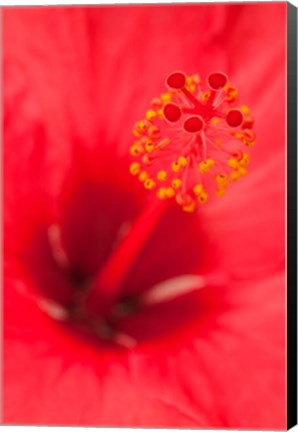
(136, 150)
(156, 103)
(149, 146)
(183, 199)
(153, 132)
(146, 159)
(161, 193)
(238, 135)
(222, 180)
(245, 110)
(176, 167)
(203, 197)
(234, 175)
(242, 171)
(196, 78)
(249, 135)
(249, 143)
(182, 161)
(245, 160)
(176, 183)
(150, 114)
(170, 192)
(160, 113)
(233, 163)
(205, 166)
(135, 168)
(189, 208)
(143, 176)
(136, 133)
(205, 96)
(166, 97)
(190, 84)
(220, 192)
(162, 175)
(231, 93)
(198, 189)
(215, 120)
(248, 122)
(141, 125)
(149, 184)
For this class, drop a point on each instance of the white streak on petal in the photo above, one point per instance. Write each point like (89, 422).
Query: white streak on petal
(122, 232)
(53, 309)
(59, 254)
(173, 288)
(106, 332)
(124, 340)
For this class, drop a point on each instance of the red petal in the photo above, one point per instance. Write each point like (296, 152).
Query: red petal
(70, 76)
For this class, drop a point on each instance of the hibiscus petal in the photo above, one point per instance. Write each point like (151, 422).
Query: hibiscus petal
(216, 356)
(227, 338)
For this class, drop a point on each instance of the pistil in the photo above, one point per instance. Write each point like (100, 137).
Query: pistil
(188, 138)
(107, 285)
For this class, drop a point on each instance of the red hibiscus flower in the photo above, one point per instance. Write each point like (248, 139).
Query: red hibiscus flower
(119, 309)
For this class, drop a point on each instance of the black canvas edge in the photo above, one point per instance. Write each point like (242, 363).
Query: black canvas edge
(291, 215)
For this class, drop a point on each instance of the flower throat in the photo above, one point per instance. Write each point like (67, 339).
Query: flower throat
(193, 142)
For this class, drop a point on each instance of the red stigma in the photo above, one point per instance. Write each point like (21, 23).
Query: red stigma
(176, 80)
(234, 118)
(172, 112)
(193, 124)
(217, 80)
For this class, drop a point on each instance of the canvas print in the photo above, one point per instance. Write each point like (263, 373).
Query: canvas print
(144, 215)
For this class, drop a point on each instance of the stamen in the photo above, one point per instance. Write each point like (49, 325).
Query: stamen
(192, 136)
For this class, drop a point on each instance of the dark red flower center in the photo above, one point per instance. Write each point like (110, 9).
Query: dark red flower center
(89, 267)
